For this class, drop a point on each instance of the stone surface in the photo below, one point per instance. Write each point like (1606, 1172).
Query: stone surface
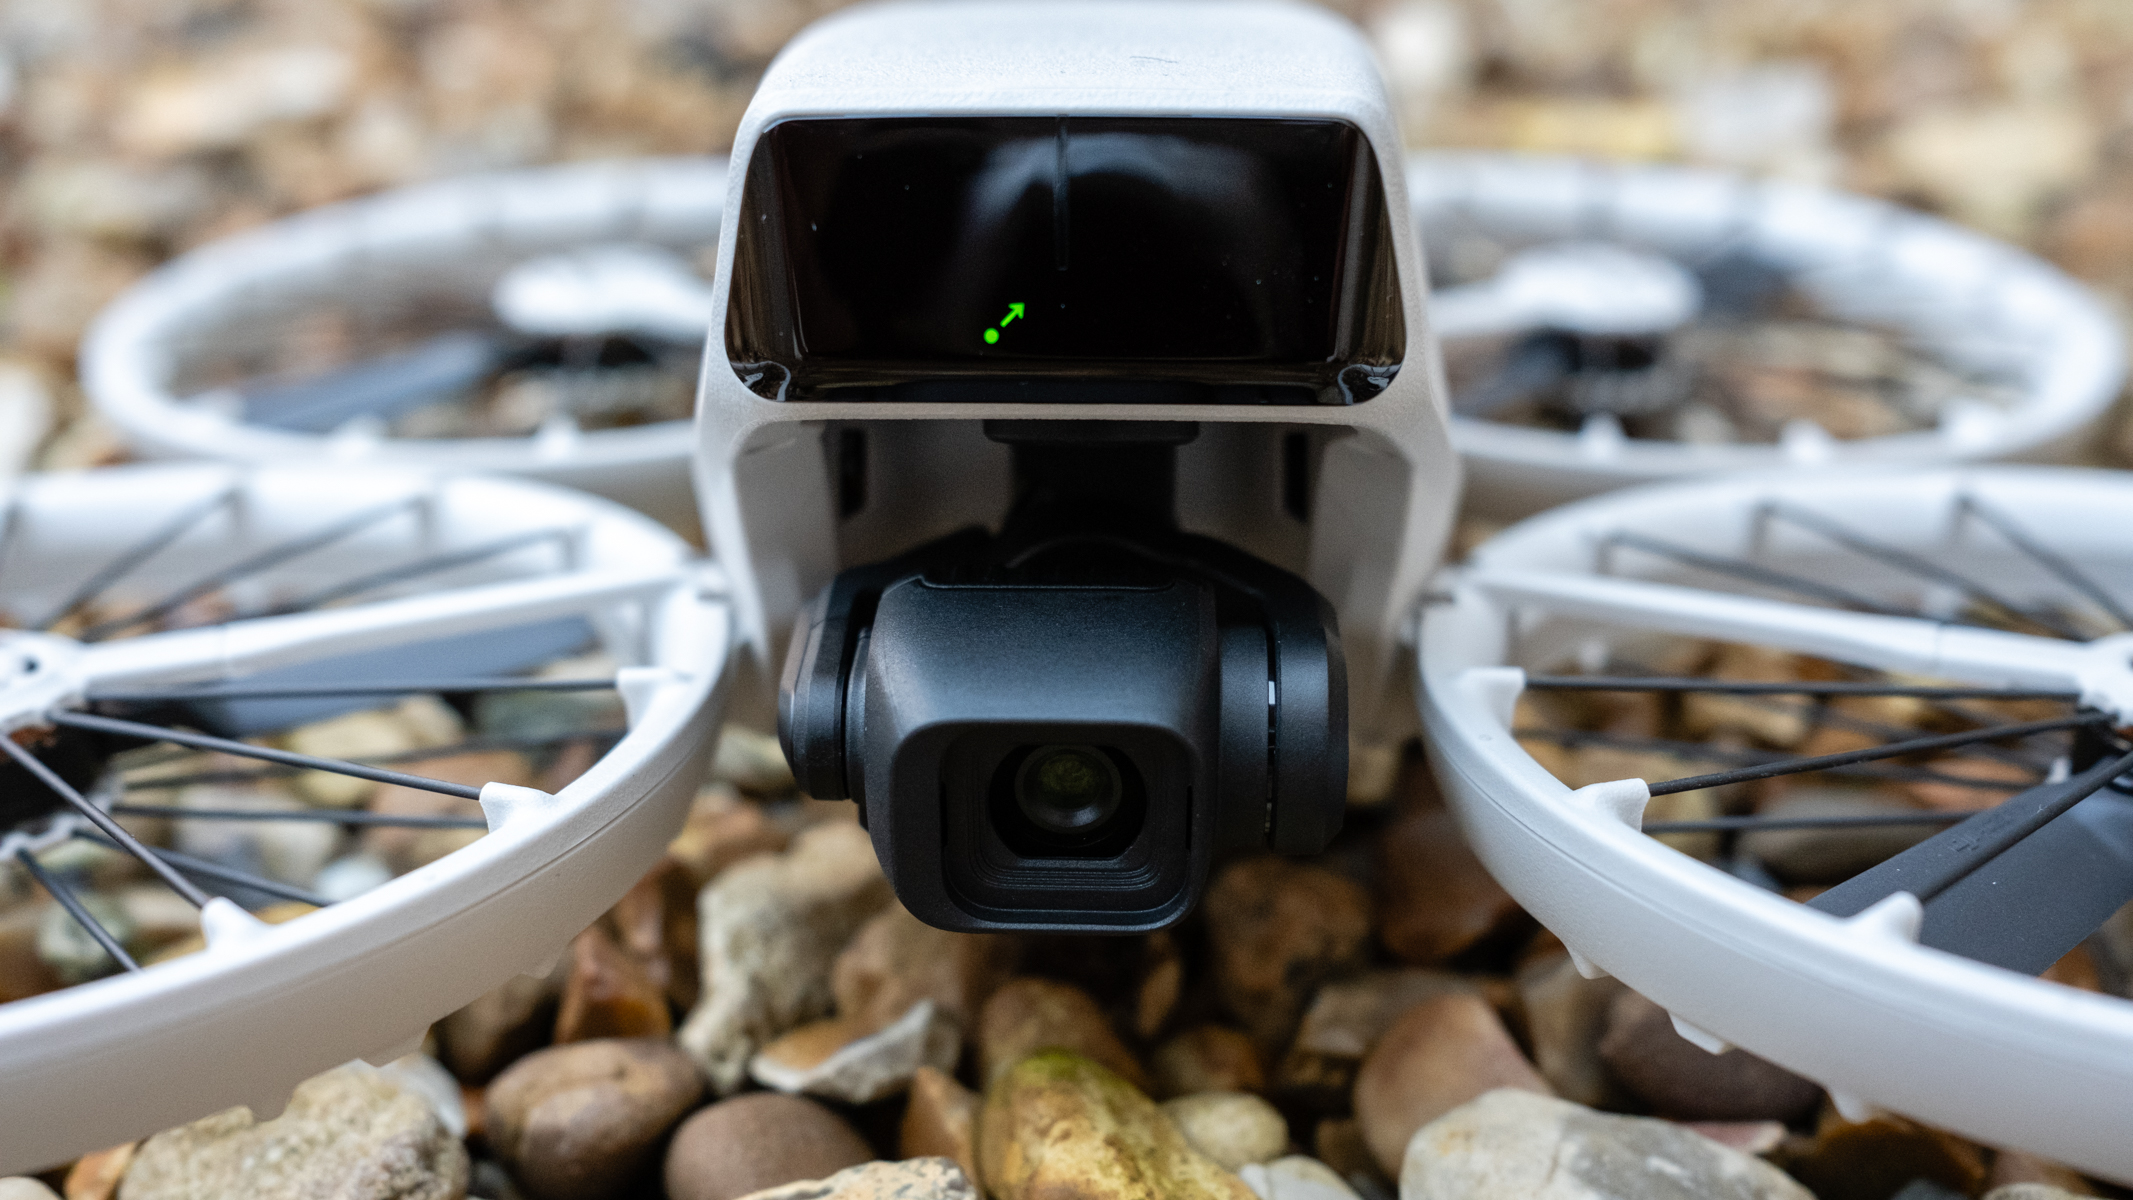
(1161, 984)
(1233, 1128)
(609, 994)
(584, 1121)
(375, 733)
(1748, 1137)
(96, 1176)
(940, 1120)
(1207, 1058)
(655, 924)
(1869, 1160)
(825, 1059)
(1296, 1177)
(771, 928)
(1338, 1142)
(1565, 1015)
(290, 851)
(1058, 1126)
(491, 1033)
(897, 960)
(752, 761)
(1029, 1015)
(346, 1135)
(1346, 1018)
(426, 1077)
(1514, 1145)
(1434, 898)
(71, 951)
(1440, 1054)
(23, 972)
(722, 829)
(2012, 1168)
(1680, 1080)
(407, 849)
(760, 1140)
(912, 1179)
(1831, 855)
(1276, 929)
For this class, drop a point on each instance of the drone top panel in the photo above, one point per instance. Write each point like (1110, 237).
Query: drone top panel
(1085, 258)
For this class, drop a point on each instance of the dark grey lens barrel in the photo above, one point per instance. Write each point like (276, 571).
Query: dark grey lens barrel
(1068, 790)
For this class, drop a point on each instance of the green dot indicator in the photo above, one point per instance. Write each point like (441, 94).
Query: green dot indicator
(991, 336)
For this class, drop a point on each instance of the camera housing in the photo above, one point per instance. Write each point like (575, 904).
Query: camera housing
(1071, 432)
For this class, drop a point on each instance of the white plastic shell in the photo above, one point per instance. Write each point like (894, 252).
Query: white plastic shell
(1386, 480)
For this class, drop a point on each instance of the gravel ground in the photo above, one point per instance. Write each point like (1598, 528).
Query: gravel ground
(758, 1011)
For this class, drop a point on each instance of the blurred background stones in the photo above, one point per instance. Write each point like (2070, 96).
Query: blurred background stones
(134, 129)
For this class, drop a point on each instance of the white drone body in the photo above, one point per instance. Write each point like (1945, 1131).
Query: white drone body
(1381, 474)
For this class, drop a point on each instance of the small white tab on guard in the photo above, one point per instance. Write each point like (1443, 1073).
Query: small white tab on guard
(400, 1049)
(1496, 687)
(1622, 799)
(1898, 916)
(1850, 1107)
(1586, 967)
(638, 686)
(1699, 1037)
(224, 924)
(503, 802)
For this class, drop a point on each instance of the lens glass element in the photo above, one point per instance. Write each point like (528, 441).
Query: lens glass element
(1068, 790)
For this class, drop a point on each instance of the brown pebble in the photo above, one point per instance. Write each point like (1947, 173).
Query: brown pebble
(655, 923)
(1162, 982)
(407, 849)
(1681, 1080)
(756, 1141)
(1207, 1058)
(722, 829)
(96, 1176)
(584, 1121)
(1565, 1016)
(1434, 898)
(1345, 1019)
(1028, 1015)
(500, 1027)
(941, 1119)
(1338, 1143)
(1277, 929)
(896, 960)
(1870, 1160)
(1436, 1057)
(609, 994)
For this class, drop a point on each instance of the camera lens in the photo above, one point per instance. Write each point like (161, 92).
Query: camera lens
(1068, 790)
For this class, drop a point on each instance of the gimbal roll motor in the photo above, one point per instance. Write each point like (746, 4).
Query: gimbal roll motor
(1072, 407)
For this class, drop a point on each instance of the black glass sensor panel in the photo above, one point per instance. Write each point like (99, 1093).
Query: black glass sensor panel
(1090, 259)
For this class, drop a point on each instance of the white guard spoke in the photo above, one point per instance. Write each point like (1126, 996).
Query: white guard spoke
(1901, 644)
(243, 647)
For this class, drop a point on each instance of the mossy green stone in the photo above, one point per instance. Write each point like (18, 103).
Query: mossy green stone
(1058, 1126)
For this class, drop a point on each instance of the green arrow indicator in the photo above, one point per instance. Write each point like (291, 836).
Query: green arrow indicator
(993, 335)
